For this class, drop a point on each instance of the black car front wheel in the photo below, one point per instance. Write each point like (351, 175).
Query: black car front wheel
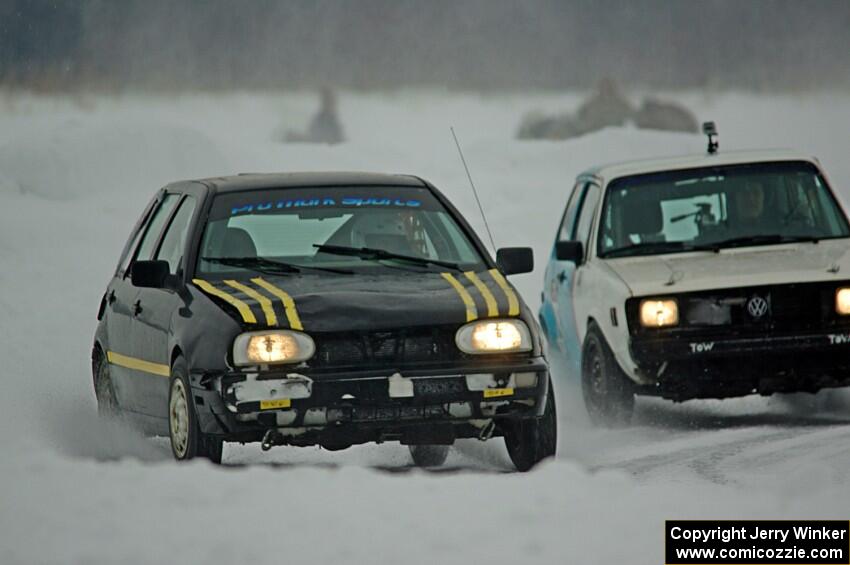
(607, 391)
(187, 441)
(530, 441)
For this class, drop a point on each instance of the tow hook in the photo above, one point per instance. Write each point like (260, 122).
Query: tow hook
(487, 431)
(271, 438)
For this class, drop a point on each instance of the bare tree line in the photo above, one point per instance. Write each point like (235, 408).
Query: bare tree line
(223, 44)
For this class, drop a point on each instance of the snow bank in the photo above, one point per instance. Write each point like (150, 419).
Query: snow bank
(75, 158)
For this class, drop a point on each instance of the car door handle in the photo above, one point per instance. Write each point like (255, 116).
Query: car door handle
(562, 277)
(110, 297)
(137, 307)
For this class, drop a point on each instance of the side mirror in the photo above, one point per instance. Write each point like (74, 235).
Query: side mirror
(515, 260)
(569, 251)
(149, 274)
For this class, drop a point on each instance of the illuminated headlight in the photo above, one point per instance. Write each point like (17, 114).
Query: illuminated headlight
(272, 347)
(655, 313)
(494, 336)
(842, 301)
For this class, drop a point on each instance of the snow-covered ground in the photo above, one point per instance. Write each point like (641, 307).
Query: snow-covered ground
(75, 174)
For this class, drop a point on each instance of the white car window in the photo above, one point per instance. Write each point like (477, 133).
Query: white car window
(758, 203)
(676, 212)
(565, 232)
(588, 211)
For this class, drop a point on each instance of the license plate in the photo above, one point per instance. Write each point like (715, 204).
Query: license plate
(438, 387)
(275, 404)
(497, 392)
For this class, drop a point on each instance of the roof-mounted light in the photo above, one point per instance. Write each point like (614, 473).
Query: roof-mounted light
(709, 129)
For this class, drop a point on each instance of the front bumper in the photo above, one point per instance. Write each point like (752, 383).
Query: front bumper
(413, 405)
(721, 366)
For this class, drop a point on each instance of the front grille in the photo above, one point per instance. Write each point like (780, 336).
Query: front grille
(387, 347)
(751, 310)
(794, 306)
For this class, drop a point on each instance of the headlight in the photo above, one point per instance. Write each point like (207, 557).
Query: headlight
(842, 301)
(494, 336)
(655, 313)
(272, 347)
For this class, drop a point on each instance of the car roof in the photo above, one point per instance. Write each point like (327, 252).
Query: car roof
(254, 181)
(606, 173)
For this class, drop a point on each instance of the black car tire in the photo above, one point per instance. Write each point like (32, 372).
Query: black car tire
(187, 441)
(104, 390)
(530, 441)
(607, 391)
(429, 455)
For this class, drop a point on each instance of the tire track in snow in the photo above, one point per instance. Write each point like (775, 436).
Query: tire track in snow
(824, 447)
(729, 460)
(701, 459)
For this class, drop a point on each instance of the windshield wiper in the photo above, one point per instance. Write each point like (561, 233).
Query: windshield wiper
(757, 240)
(379, 254)
(269, 266)
(647, 247)
(653, 247)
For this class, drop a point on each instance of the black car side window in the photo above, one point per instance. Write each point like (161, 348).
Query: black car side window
(174, 242)
(154, 228)
(130, 246)
(565, 233)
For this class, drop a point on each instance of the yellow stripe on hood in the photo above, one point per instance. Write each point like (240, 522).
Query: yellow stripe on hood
(471, 310)
(513, 302)
(492, 305)
(288, 303)
(243, 308)
(265, 303)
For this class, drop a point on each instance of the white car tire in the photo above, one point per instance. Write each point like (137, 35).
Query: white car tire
(607, 392)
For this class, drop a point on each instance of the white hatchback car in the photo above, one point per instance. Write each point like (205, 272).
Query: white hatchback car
(709, 276)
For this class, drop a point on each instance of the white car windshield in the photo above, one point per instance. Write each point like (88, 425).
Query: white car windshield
(718, 207)
(333, 230)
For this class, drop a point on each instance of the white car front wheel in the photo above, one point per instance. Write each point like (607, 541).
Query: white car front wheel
(608, 393)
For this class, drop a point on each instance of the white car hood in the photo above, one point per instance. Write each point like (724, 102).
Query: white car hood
(751, 266)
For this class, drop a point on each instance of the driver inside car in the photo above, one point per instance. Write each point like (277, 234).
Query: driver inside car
(393, 231)
(752, 216)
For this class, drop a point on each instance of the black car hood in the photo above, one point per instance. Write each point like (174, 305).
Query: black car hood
(363, 302)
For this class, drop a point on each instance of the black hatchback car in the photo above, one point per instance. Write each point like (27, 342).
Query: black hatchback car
(320, 308)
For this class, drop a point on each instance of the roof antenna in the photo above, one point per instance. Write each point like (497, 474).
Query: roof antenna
(472, 184)
(709, 129)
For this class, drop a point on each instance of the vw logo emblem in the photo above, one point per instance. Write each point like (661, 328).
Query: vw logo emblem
(757, 307)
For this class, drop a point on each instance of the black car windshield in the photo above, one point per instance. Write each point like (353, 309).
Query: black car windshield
(718, 207)
(333, 231)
